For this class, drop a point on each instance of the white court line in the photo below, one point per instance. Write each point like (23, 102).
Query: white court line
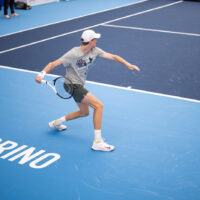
(112, 86)
(47, 39)
(68, 33)
(94, 13)
(153, 30)
(146, 11)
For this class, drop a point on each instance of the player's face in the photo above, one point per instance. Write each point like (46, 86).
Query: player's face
(93, 43)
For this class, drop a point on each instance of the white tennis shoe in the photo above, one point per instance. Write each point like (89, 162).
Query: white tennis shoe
(60, 127)
(102, 146)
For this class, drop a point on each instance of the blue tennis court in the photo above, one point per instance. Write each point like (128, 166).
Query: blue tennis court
(151, 117)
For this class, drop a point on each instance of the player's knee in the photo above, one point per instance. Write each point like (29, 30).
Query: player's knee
(99, 106)
(84, 113)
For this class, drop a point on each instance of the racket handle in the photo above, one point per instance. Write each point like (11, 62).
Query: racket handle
(44, 81)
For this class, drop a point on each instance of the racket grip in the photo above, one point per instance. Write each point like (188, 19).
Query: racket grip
(44, 81)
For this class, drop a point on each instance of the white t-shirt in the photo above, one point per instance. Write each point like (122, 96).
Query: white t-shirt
(77, 63)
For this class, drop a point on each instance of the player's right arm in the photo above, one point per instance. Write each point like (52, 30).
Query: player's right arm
(47, 69)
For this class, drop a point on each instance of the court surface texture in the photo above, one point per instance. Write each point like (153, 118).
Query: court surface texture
(151, 117)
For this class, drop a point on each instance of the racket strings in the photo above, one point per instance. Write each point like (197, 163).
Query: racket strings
(64, 87)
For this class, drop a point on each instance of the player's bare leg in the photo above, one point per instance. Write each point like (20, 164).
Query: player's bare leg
(92, 101)
(98, 144)
(83, 112)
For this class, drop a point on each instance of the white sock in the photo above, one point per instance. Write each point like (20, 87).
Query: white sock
(60, 120)
(97, 135)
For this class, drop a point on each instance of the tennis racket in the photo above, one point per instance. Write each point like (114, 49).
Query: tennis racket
(62, 86)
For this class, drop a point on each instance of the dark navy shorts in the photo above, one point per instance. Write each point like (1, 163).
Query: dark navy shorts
(79, 92)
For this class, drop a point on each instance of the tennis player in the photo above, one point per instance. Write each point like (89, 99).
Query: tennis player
(77, 61)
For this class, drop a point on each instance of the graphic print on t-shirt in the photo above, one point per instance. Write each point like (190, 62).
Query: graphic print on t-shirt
(83, 65)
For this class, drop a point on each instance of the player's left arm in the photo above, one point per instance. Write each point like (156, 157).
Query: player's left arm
(120, 60)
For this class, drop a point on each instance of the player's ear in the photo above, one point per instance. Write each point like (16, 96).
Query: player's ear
(84, 43)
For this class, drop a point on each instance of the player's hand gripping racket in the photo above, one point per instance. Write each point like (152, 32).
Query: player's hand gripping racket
(62, 86)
